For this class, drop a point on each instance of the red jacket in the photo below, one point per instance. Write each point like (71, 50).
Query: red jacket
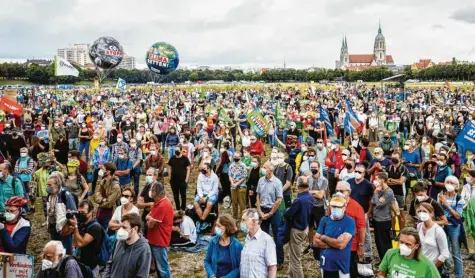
(257, 148)
(334, 160)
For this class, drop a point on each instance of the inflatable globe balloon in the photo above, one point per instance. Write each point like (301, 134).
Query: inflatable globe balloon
(106, 53)
(162, 58)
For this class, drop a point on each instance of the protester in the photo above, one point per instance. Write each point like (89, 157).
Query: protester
(419, 190)
(16, 231)
(126, 207)
(76, 183)
(107, 194)
(184, 232)
(124, 169)
(136, 156)
(207, 193)
(131, 256)
(54, 259)
(179, 167)
(468, 195)
(9, 185)
(237, 178)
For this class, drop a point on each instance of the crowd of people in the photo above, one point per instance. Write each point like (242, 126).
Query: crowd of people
(100, 163)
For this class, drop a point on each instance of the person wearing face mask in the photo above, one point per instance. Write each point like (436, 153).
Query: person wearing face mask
(135, 155)
(115, 148)
(284, 172)
(304, 159)
(9, 185)
(255, 174)
(88, 235)
(132, 255)
(15, 232)
(433, 238)
(179, 168)
(387, 145)
(333, 161)
(407, 260)
(184, 232)
(419, 190)
(171, 141)
(348, 171)
(443, 171)
(145, 201)
(54, 259)
(380, 212)
(468, 194)
(452, 203)
(85, 136)
(126, 207)
(223, 256)
(100, 156)
(107, 193)
(13, 146)
(76, 183)
(334, 237)
(258, 257)
(237, 177)
(124, 167)
(455, 161)
(155, 160)
(159, 228)
(23, 170)
(321, 154)
(59, 201)
(61, 149)
(398, 174)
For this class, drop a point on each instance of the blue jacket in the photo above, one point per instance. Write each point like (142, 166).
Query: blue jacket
(211, 259)
(300, 210)
(18, 240)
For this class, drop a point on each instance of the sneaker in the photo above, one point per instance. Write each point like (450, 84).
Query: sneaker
(204, 226)
(226, 202)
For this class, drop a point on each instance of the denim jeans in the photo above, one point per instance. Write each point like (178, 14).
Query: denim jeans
(67, 241)
(453, 233)
(171, 151)
(73, 143)
(161, 261)
(271, 140)
(84, 147)
(274, 221)
(164, 137)
(136, 180)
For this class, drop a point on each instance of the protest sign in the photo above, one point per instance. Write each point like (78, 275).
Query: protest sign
(258, 123)
(16, 266)
(466, 138)
(11, 106)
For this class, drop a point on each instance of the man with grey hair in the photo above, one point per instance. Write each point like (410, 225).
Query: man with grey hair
(258, 257)
(269, 197)
(299, 215)
(159, 232)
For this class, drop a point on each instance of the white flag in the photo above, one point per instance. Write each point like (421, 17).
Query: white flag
(121, 85)
(63, 67)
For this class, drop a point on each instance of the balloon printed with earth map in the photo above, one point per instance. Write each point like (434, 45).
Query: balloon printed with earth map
(162, 58)
(106, 53)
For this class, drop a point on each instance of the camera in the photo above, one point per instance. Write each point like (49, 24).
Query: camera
(71, 214)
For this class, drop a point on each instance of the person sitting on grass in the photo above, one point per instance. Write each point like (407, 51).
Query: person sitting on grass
(207, 188)
(183, 230)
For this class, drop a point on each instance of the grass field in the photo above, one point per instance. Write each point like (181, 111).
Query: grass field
(26, 82)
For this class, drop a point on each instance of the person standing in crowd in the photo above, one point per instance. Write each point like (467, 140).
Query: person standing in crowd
(131, 256)
(237, 177)
(72, 133)
(9, 185)
(100, 156)
(378, 164)
(223, 256)
(155, 160)
(269, 197)
(179, 167)
(433, 238)
(207, 192)
(76, 183)
(119, 145)
(452, 204)
(126, 207)
(284, 172)
(299, 214)
(54, 259)
(407, 260)
(255, 174)
(145, 201)
(136, 156)
(419, 190)
(16, 230)
(14, 145)
(468, 194)
(23, 170)
(171, 141)
(258, 257)
(124, 168)
(397, 176)
(256, 146)
(107, 194)
(334, 237)
(85, 136)
(160, 224)
(61, 149)
(321, 155)
(334, 162)
(60, 200)
(88, 236)
(82, 164)
(380, 212)
(443, 171)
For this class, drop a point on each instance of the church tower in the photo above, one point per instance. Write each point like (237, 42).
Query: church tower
(380, 48)
(344, 57)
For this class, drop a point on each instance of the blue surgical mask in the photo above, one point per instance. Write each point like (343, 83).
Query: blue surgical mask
(337, 213)
(243, 227)
(440, 163)
(218, 231)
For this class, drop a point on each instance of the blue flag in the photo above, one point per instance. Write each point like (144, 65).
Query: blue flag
(325, 118)
(466, 138)
(121, 85)
(347, 123)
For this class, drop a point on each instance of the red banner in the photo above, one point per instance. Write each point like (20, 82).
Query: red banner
(11, 106)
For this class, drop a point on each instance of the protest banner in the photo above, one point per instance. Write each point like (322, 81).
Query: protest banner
(11, 93)
(466, 138)
(258, 123)
(11, 106)
(16, 265)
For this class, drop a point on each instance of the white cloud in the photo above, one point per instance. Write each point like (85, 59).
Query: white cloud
(260, 32)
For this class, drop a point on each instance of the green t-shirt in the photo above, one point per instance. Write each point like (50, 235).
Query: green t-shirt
(247, 160)
(397, 266)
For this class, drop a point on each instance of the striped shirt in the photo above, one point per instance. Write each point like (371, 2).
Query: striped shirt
(257, 255)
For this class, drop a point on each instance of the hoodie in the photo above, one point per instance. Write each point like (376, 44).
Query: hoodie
(129, 261)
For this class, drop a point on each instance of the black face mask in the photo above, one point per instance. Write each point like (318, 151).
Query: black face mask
(386, 138)
(315, 171)
(204, 172)
(395, 160)
(237, 159)
(177, 153)
(81, 217)
(348, 166)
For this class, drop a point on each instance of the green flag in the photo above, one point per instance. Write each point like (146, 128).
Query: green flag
(223, 116)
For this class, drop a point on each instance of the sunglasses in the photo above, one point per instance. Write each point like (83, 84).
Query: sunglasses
(359, 172)
(126, 196)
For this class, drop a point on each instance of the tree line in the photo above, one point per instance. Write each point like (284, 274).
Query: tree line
(45, 74)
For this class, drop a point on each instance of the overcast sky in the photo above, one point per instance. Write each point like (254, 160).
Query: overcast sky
(244, 32)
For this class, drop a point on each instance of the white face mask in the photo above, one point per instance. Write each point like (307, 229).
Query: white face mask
(358, 176)
(404, 250)
(133, 145)
(124, 201)
(9, 216)
(119, 140)
(122, 234)
(423, 216)
(153, 153)
(46, 264)
(100, 173)
(421, 198)
(333, 147)
(23, 154)
(450, 188)
(305, 158)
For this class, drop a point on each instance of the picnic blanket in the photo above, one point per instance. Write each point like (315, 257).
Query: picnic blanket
(201, 245)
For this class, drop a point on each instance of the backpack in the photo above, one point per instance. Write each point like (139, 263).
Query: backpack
(104, 254)
(85, 270)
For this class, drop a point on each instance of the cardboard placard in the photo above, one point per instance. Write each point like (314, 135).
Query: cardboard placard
(21, 266)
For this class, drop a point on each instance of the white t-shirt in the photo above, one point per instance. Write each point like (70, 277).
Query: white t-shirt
(345, 176)
(117, 216)
(188, 228)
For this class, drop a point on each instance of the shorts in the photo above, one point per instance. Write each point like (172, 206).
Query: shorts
(400, 201)
(212, 200)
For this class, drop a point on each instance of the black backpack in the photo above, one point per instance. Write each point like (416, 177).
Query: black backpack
(85, 270)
